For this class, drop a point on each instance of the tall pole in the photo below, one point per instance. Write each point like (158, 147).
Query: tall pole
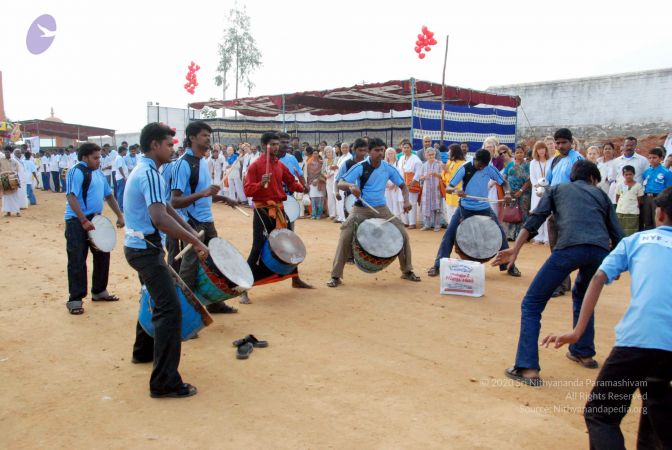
(443, 88)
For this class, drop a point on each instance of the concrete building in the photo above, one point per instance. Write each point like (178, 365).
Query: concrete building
(597, 109)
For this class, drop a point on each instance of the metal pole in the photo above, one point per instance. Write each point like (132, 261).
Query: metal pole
(284, 128)
(412, 106)
(443, 88)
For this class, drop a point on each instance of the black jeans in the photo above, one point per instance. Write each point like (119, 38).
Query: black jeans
(625, 370)
(56, 177)
(262, 223)
(189, 264)
(166, 345)
(173, 247)
(77, 245)
(648, 212)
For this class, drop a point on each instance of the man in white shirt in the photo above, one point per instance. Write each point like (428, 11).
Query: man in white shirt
(72, 156)
(340, 195)
(630, 158)
(250, 158)
(31, 174)
(63, 166)
(410, 167)
(45, 161)
(106, 161)
(121, 173)
(216, 167)
(53, 168)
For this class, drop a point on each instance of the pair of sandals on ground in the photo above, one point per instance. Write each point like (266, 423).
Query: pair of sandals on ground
(76, 307)
(410, 276)
(518, 374)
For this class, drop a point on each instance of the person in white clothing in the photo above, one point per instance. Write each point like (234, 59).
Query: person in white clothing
(410, 167)
(120, 173)
(393, 197)
(538, 169)
(630, 157)
(251, 155)
(53, 168)
(11, 202)
(106, 161)
(329, 170)
(63, 166)
(72, 157)
(606, 164)
(234, 173)
(340, 195)
(31, 175)
(216, 166)
(24, 178)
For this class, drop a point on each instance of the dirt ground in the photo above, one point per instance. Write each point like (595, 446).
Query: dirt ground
(378, 363)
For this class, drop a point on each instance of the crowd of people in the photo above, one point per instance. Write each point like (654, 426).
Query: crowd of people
(584, 204)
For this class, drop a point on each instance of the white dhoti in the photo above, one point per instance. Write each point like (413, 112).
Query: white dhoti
(11, 202)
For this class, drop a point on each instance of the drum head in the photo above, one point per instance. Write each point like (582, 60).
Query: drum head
(379, 238)
(104, 237)
(350, 203)
(292, 208)
(479, 237)
(287, 246)
(231, 263)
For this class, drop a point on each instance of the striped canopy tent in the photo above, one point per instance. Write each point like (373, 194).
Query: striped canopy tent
(396, 95)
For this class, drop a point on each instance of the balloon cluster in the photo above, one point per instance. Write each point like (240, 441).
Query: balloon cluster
(175, 140)
(425, 42)
(191, 83)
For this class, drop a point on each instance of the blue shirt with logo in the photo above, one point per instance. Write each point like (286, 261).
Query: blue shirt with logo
(647, 323)
(373, 191)
(560, 172)
(292, 164)
(98, 191)
(144, 187)
(655, 179)
(201, 209)
(477, 186)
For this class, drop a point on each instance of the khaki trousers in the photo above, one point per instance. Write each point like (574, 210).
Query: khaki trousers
(359, 215)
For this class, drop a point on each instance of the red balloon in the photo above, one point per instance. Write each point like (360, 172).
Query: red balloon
(198, 67)
(173, 128)
(424, 29)
(421, 37)
(418, 43)
(432, 41)
(421, 56)
(175, 140)
(429, 34)
(428, 49)
(418, 49)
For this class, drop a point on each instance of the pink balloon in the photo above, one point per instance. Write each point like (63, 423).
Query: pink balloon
(428, 49)
(429, 34)
(175, 140)
(421, 56)
(198, 67)
(421, 37)
(424, 29)
(432, 41)
(418, 49)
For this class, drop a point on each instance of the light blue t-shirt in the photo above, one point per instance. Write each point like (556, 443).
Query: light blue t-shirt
(292, 164)
(560, 173)
(655, 180)
(98, 191)
(373, 191)
(647, 323)
(477, 186)
(166, 172)
(144, 187)
(131, 162)
(201, 209)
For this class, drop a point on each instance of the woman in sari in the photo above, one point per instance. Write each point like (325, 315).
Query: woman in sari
(517, 173)
(316, 183)
(455, 161)
(430, 177)
(329, 170)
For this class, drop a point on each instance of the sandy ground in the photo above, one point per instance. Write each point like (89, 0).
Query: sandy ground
(378, 363)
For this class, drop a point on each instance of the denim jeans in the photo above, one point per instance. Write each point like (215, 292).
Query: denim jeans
(317, 206)
(57, 180)
(448, 241)
(120, 193)
(585, 258)
(45, 181)
(31, 194)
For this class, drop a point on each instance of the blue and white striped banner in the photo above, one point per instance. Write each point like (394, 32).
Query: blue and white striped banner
(463, 124)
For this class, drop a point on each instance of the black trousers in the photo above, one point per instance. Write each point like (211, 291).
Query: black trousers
(261, 224)
(164, 349)
(173, 247)
(648, 213)
(566, 284)
(189, 264)
(56, 177)
(626, 370)
(77, 245)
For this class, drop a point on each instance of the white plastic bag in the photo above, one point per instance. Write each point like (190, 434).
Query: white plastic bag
(462, 277)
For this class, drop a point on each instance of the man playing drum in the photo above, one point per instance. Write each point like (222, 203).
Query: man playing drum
(192, 195)
(474, 177)
(367, 180)
(264, 184)
(146, 214)
(86, 188)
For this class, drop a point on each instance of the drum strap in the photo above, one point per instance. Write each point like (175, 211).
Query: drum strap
(87, 172)
(367, 170)
(469, 171)
(194, 166)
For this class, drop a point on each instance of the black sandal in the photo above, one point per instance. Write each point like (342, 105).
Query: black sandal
(515, 375)
(75, 307)
(252, 340)
(589, 364)
(221, 308)
(244, 350)
(410, 276)
(186, 390)
(433, 272)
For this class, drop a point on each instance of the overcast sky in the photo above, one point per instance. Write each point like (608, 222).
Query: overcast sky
(110, 58)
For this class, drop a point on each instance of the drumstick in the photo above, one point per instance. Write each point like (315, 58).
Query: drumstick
(242, 211)
(483, 199)
(361, 199)
(205, 316)
(188, 247)
(390, 219)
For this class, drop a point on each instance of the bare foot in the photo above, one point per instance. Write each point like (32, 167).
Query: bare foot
(298, 283)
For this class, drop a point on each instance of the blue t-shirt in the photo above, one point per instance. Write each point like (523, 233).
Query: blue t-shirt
(477, 186)
(131, 162)
(647, 323)
(144, 187)
(655, 180)
(166, 172)
(560, 173)
(201, 209)
(373, 191)
(292, 164)
(99, 190)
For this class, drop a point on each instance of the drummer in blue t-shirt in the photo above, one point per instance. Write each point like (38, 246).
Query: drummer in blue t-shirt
(367, 180)
(475, 176)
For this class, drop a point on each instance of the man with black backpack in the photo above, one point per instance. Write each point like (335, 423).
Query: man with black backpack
(86, 188)
(367, 180)
(475, 177)
(192, 194)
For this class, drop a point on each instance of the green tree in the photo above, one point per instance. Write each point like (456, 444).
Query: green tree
(238, 52)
